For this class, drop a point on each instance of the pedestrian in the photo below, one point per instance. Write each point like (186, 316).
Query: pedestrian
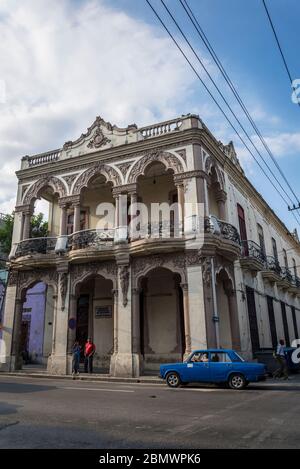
(282, 371)
(89, 351)
(75, 359)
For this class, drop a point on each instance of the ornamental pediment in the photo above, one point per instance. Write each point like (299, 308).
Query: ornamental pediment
(101, 135)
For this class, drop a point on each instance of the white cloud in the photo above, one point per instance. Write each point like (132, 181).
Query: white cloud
(65, 64)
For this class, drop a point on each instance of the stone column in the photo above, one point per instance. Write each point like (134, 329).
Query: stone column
(121, 214)
(136, 331)
(7, 362)
(221, 200)
(133, 209)
(26, 223)
(180, 195)
(58, 363)
(116, 197)
(63, 219)
(115, 319)
(16, 361)
(76, 217)
(187, 328)
(196, 303)
(72, 318)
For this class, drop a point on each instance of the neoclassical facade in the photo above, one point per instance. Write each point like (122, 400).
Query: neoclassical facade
(152, 294)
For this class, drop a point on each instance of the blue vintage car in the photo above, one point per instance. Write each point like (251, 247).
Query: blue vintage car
(213, 366)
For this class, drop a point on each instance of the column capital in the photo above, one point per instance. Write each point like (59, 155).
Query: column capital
(184, 287)
(26, 209)
(196, 173)
(125, 189)
(69, 200)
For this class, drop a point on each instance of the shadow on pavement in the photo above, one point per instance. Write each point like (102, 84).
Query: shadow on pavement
(7, 409)
(19, 388)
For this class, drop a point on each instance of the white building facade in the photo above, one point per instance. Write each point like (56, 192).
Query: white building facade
(156, 293)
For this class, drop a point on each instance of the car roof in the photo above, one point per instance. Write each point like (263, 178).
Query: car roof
(214, 350)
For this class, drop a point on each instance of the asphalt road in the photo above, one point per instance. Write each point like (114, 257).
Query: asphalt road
(46, 413)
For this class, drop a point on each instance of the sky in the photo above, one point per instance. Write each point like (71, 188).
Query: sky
(64, 64)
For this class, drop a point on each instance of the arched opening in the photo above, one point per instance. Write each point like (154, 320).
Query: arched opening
(214, 188)
(157, 186)
(36, 325)
(94, 319)
(162, 335)
(227, 311)
(97, 191)
(46, 203)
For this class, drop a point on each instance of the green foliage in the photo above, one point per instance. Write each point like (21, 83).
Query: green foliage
(6, 230)
(39, 227)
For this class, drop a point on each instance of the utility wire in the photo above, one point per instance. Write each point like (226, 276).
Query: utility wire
(224, 99)
(215, 101)
(279, 47)
(226, 117)
(217, 61)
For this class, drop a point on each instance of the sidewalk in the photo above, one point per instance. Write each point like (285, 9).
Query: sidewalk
(271, 383)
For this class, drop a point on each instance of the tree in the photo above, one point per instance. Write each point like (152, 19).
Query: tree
(39, 229)
(6, 230)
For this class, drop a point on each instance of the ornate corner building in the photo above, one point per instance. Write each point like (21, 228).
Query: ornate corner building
(148, 298)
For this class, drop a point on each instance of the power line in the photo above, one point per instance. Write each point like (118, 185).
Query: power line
(224, 99)
(217, 61)
(217, 104)
(279, 47)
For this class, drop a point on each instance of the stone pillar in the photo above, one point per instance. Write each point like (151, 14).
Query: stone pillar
(221, 200)
(26, 223)
(187, 328)
(72, 320)
(196, 305)
(63, 220)
(121, 215)
(16, 361)
(76, 217)
(136, 331)
(58, 362)
(180, 195)
(133, 209)
(124, 362)
(115, 319)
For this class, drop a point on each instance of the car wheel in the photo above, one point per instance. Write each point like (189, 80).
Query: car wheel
(173, 379)
(237, 381)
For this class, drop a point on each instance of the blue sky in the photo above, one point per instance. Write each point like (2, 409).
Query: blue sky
(81, 58)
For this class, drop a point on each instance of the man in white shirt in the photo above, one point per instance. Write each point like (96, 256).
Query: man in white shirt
(281, 359)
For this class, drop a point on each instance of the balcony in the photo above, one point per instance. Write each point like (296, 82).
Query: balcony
(253, 257)
(272, 270)
(221, 237)
(92, 239)
(36, 246)
(295, 285)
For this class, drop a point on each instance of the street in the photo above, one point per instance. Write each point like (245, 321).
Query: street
(53, 413)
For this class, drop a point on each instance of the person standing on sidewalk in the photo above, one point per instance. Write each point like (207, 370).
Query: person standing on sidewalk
(89, 351)
(75, 359)
(281, 359)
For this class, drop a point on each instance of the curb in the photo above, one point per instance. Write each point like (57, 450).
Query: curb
(97, 378)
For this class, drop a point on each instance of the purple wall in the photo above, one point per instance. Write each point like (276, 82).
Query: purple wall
(34, 311)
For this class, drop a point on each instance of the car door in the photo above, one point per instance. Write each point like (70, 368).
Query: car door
(220, 365)
(197, 370)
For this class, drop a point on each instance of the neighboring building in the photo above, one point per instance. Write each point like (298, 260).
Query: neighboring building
(153, 295)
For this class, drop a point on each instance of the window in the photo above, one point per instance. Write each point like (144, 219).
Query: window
(261, 239)
(285, 259)
(274, 246)
(242, 222)
(70, 221)
(220, 357)
(199, 357)
(294, 267)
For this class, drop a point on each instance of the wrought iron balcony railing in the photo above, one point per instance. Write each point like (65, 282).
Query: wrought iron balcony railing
(296, 281)
(91, 238)
(273, 264)
(286, 274)
(220, 227)
(254, 250)
(36, 246)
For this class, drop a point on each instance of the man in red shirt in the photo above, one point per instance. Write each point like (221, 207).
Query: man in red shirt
(89, 350)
